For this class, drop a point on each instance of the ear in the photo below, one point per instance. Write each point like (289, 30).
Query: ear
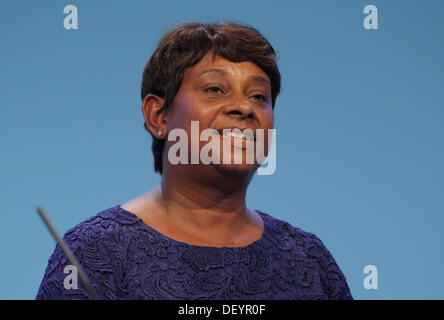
(155, 118)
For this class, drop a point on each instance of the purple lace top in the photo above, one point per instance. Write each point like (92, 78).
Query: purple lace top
(125, 258)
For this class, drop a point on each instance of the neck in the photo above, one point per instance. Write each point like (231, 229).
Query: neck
(205, 203)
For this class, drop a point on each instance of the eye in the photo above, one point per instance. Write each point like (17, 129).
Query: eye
(260, 97)
(213, 90)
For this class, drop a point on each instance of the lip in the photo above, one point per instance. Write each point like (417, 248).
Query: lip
(231, 128)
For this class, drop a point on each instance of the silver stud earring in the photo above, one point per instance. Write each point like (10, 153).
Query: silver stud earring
(159, 133)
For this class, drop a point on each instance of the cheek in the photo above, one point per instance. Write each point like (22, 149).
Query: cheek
(267, 119)
(185, 110)
(267, 124)
(180, 113)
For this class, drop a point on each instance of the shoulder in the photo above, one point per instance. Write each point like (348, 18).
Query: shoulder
(107, 219)
(103, 238)
(98, 244)
(110, 222)
(301, 245)
(288, 235)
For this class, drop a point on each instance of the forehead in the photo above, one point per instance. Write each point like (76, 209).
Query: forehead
(224, 68)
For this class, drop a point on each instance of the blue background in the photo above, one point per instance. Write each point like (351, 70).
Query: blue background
(359, 128)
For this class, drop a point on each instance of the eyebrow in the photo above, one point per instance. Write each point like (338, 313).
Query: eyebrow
(222, 72)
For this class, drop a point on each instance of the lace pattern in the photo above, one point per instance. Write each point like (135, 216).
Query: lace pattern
(127, 259)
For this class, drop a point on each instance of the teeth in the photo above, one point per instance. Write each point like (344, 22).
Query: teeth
(237, 135)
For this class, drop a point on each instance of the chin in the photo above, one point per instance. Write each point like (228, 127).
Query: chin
(236, 169)
(237, 164)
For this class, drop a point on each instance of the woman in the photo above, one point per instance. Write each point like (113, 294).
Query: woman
(192, 236)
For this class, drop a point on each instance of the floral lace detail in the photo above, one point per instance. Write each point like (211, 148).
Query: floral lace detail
(125, 258)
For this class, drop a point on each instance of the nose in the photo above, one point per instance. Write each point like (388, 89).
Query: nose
(240, 108)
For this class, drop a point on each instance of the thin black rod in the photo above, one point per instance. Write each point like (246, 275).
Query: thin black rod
(68, 253)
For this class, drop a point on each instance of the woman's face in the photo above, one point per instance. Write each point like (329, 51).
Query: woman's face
(221, 94)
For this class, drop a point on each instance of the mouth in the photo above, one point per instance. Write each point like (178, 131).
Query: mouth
(244, 134)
